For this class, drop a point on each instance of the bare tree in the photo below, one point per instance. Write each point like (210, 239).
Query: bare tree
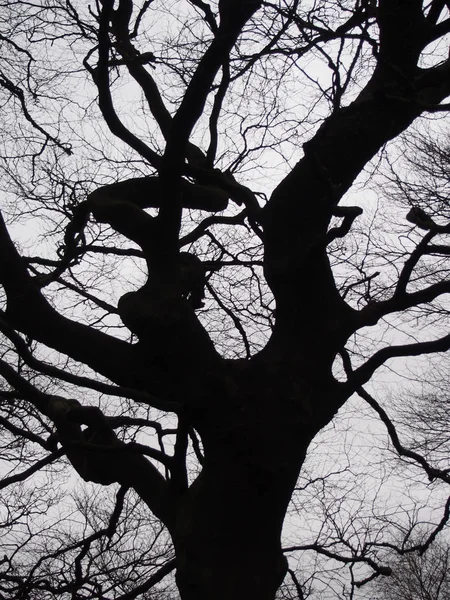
(187, 301)
(417, 576)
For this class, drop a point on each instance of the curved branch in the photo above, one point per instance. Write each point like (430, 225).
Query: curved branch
(362, 374)
(23, 433)
(382, 570)
(29, 311)
(233, 16)
(234, 318)
(134, 62)
(215, 112)
(79, 380)
(146, 192)
(197, 233)
(89, 450)
(31, 470)
(423, 547)
(151, 581)
(17, 92)
(208, 14)
(297, 215)
(178, 469)
(100, 76)
(430, 471)
(297, 585)
(373, 312)
(349, 214)
(410, 263)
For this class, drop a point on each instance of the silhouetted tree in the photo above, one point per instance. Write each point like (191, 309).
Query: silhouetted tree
(189, 303)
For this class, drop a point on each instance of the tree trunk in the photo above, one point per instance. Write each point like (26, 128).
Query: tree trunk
(228, 531)
(228, 524)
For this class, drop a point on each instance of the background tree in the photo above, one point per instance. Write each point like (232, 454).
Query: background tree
(194, 304)
(417, 577)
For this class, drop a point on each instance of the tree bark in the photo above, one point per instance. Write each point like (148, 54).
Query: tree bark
(228, 523)
(227, 537)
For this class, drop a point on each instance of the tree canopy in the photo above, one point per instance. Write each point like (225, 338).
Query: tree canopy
(225, 226)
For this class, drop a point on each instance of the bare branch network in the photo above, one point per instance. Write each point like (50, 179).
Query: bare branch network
(224, 275)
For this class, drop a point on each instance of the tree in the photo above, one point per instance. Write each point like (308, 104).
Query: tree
(197, 264)
(418, 577)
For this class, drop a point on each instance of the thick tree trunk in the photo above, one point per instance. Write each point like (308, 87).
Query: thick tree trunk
(228, 533)
(228, 524)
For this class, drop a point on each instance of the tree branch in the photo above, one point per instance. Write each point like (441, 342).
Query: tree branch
(382, 570)
(410, 264)
(32, 470)
(89, 450)
(151, 581)
(100, 76)
(28, 310)
(430, 471)
(64, 375)
(362, 374)
(233, 15)
(373, 312)
(297, 215)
